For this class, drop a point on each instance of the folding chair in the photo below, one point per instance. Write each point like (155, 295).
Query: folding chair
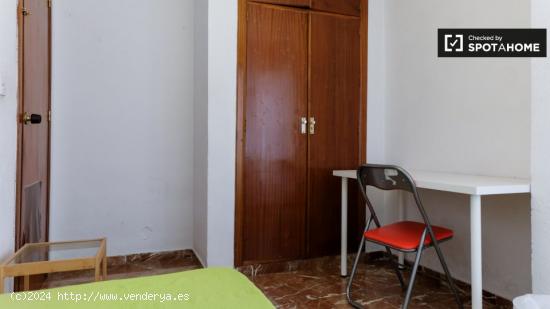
(404, 236)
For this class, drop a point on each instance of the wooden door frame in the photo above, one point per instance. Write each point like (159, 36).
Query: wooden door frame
(20, 111)
(241, 88)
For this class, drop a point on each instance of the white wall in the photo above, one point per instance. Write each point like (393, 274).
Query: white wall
(200, 194)
(376, 105)
(8, 126)
(376, 109)
(215, 118)
(540, 152)
(122, 130)
(222, 107)
(466, 116)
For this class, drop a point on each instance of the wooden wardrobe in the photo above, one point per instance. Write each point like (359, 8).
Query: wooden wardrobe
(301, 114)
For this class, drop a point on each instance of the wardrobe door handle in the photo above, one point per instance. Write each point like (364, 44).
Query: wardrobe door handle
(312, 125)
(303, 122)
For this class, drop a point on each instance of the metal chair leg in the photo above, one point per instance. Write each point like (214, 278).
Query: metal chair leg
(354, 269)
(414, 270)
(448, 275)
(352, 275)
(396, 268)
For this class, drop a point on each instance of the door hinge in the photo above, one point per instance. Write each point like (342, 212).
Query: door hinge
(49, 3)
(49, 116)
(25, 12)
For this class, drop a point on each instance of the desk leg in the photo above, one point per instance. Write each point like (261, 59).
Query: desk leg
(1, 283)
(344, 231)
(476, 253)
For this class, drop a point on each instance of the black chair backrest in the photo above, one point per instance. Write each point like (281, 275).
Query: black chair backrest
(387, 177)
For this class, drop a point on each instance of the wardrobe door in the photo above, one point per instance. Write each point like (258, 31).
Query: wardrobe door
(335, 106)
(275, 154)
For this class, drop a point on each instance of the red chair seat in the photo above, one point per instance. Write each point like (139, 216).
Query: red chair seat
(405, 235)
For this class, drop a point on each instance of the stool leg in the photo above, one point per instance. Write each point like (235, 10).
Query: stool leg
(97, 273)
(26, 283)
(1, 282)
(104, 270)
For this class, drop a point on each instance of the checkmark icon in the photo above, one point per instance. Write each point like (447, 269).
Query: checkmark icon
(453, 43)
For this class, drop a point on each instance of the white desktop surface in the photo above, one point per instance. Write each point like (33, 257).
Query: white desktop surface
(460, 183)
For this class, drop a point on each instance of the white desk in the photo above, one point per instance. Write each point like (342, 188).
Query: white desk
(475, 186)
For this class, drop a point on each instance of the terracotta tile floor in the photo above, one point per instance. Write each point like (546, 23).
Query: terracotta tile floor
(311, 284)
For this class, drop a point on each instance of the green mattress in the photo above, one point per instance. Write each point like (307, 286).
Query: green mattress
(204, 288)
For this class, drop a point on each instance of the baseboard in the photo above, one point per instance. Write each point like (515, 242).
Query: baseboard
(143, 258)
(203, 264)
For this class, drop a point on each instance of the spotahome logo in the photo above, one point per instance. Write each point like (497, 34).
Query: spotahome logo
(492, 42)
